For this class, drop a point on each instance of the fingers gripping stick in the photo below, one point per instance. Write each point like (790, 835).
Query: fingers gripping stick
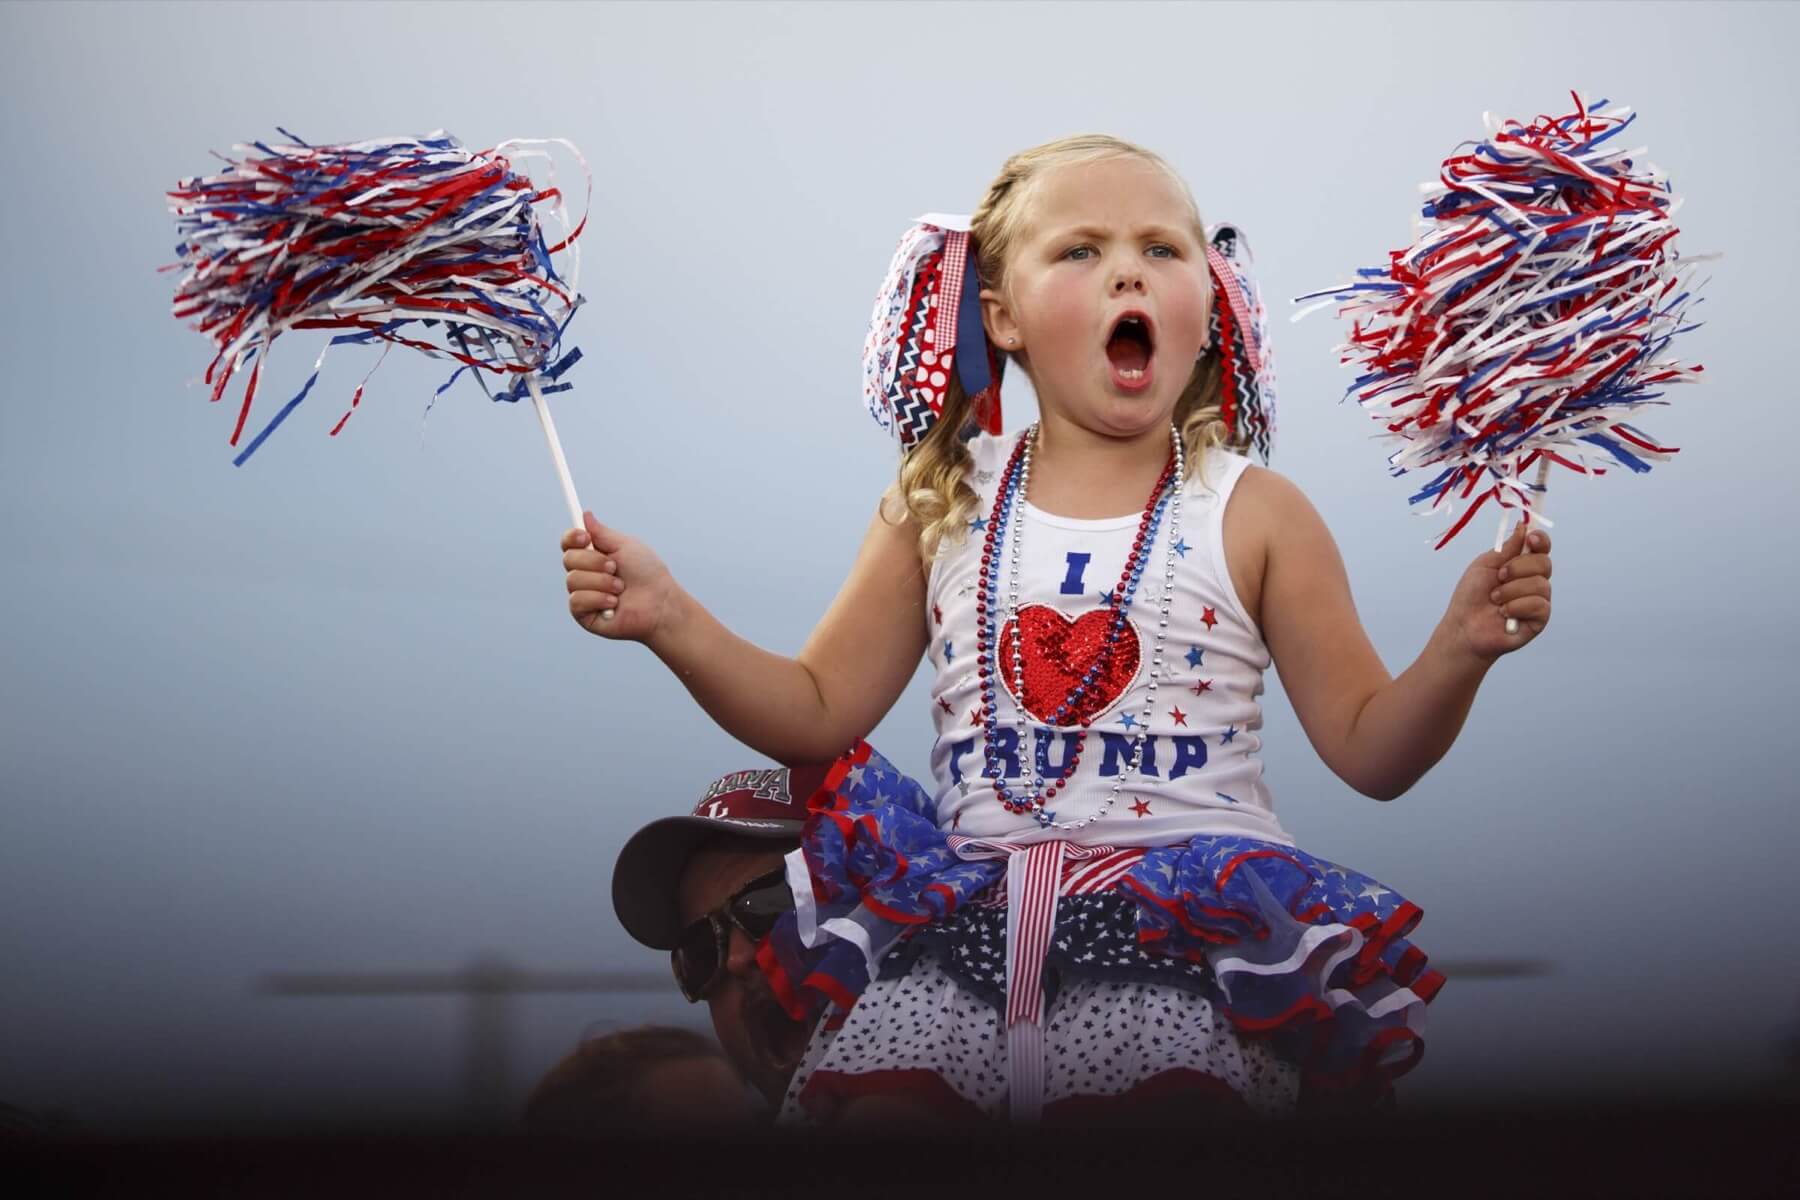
(577, 519)
(1512, 623)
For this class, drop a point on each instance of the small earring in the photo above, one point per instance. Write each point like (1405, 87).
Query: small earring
(1010, 341)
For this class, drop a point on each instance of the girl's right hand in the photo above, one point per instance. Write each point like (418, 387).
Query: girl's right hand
(618, 588)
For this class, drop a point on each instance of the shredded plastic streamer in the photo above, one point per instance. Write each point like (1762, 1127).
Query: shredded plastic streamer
(1531, 317)
(408, 241)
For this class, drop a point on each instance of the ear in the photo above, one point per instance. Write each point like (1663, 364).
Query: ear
(999, 322)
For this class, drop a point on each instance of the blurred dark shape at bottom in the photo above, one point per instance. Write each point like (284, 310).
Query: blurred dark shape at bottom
(654, 1077)
(1743, 1147)
(22, 1124)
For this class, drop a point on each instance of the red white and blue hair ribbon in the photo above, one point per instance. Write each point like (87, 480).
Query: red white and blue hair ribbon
(929, 308)
(926, 324)
(1239, 335)
(406, 241)
(1531, 317)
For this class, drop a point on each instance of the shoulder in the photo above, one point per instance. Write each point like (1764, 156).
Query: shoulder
(1299, 552)
(1263, 488)
(1276, 504)
(890, 546)
(1268, 521)
(1259, 500)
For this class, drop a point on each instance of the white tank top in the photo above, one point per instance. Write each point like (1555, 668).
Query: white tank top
(1198, 770)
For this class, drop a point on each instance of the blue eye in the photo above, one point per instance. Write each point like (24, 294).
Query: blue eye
(1172, 252)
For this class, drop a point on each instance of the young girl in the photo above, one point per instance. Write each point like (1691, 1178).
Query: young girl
(1092, 910)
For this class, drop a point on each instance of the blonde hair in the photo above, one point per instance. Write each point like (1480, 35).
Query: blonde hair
(933, 483)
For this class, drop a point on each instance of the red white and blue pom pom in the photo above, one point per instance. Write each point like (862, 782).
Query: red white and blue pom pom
(373, 238)
(1529, 320)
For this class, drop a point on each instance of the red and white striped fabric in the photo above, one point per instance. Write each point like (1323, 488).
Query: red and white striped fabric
(1243, 313)
(1035, 876)
(949, 296)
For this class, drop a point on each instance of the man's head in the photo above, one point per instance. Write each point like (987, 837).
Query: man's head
(759, 1038)
(691, 884)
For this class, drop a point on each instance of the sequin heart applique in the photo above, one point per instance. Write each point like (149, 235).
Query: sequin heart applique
(1058, 652)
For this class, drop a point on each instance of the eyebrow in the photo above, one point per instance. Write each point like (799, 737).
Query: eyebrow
(1142, 231)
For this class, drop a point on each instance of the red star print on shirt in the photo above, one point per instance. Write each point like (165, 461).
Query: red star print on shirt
(1209, 618)
(945, 705)
(1141, 807)
(1180, 717)
(937, 614)
(975, 716)
(1201, 687)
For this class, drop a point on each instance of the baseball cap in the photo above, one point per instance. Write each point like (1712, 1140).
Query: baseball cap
(767, 804)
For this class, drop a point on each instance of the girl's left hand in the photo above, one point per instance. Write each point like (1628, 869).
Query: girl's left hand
(1511, 582)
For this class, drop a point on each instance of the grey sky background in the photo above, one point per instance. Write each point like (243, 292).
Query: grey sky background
(328, 712)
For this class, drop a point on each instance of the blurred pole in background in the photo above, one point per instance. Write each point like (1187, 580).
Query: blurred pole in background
(488, 983)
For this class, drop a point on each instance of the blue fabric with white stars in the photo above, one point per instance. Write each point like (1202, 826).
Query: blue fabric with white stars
(1248, 907)
(891, 870)
(1295, 944)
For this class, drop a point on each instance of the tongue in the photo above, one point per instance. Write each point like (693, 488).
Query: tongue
(1128, 354)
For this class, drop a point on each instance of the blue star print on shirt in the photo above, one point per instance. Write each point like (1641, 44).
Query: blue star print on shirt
(1181, 547)
(1230, 732)
(978, 524)
(947, 651)
(1193, 656)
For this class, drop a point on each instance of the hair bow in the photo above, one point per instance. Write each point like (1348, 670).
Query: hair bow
(1239, 335)
(926, 324)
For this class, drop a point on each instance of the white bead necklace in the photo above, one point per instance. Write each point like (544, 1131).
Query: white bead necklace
(1016, 529)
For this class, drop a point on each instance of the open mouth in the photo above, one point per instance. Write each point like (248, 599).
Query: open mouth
(1129, 349)
(780, 1040)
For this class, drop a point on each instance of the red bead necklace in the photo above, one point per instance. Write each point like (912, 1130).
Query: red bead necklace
(1005, 510)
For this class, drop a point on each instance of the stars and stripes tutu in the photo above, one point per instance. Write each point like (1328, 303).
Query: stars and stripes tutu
(1299, 959)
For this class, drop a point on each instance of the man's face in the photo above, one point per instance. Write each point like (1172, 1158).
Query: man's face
(763, 1043)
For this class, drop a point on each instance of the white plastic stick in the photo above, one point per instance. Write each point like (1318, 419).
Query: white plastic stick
(1543, 473)
(556, 451)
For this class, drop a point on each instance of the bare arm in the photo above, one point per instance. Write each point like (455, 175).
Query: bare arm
(1380, 734)
(808, 708)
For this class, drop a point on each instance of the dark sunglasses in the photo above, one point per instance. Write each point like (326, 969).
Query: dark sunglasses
(699, 958)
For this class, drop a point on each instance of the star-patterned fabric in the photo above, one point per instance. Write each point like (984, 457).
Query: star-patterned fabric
(1289, 948)
(1199, 737)
(1096, 937)
(925, 1033)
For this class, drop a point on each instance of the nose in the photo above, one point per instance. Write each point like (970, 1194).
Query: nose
(1128, 279)
(740, 954)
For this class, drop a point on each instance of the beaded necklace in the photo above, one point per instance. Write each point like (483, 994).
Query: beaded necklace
(1014, 485)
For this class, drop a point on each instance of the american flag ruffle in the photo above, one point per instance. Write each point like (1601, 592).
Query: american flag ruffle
(1305, 951)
